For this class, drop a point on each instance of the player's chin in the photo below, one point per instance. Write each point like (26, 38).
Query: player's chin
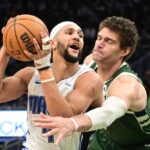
(74, 53)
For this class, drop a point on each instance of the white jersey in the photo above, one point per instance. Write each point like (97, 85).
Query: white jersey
(36, 104)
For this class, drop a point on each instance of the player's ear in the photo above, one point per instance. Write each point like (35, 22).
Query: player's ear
(53, 44)
(126, 51)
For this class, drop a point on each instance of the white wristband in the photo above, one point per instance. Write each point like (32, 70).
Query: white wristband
(75, 124)
(47, 80)
(46, 47)
(42, 62)
(45, 39)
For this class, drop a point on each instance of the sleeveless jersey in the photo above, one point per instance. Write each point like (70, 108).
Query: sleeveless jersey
(131, 131)
(36, 104)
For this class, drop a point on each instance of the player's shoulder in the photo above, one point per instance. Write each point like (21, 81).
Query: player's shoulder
(29, 70)
(88, 59)
(26, 73)
(90, 77)
(127, 81)
(127, 78)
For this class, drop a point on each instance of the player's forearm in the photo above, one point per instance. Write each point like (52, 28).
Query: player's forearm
(101, 117)
(4, 58)
(55, 102)
(57, 105)
(83, 122)
(112, 109)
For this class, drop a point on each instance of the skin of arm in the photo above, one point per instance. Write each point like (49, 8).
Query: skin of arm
(88, 59)
(133, 94)
(14, 86)
(82, 94)
(78, 100)
(135, 98)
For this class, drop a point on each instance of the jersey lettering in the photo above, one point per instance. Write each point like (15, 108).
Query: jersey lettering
(37, 104)
(50, 138)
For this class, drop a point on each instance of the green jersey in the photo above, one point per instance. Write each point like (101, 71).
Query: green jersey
(131, 131)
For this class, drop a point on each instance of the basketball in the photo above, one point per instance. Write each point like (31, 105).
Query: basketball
(19, 33)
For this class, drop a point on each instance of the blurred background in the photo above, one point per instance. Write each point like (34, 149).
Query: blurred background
(88, 14)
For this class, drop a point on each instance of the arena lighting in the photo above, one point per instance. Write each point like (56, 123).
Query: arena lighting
(13, 123)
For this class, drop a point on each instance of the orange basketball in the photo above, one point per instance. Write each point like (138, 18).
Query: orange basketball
(19, 33)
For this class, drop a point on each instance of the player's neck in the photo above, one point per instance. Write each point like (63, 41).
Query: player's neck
(107, 71)
(64, 70)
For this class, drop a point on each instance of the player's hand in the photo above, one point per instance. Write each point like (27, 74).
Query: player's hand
(4, 48)
(41, 51)
(4, 51)
(42, 58)
(60, 127)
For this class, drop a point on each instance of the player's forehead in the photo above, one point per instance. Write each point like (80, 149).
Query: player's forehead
(71, 27)
(108, 33)
(64, 26)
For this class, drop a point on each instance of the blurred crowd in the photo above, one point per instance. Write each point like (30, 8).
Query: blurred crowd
(88, 14)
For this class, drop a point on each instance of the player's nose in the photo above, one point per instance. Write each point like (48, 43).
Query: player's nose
(76, 36)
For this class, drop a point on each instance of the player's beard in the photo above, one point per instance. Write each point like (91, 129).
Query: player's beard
(65, 54)
(71, 58)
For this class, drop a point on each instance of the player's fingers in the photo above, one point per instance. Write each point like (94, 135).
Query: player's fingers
(44, 35)
(51, 132)
(46, 46)
(3, 30)
(37, 46)
(30, 55)
(10, 19)
(43, 115)
(58, 139)
(45, 124)
(42, 125)
(42, 120)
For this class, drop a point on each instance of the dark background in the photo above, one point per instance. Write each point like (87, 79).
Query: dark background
(88, 14)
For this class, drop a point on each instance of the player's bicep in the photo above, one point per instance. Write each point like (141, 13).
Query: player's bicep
(125, 88)
(79, 101)
(11, 88)
(85, 93)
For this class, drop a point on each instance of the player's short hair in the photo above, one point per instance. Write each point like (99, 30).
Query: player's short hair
(126, 30)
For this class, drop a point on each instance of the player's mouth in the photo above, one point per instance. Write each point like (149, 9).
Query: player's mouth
(97, 52)
(74, 46)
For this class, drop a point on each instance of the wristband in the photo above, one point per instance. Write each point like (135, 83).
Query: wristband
(45, 39)
(46, 47)
(47, 80)
(42, 62)
(44, 68)
(75, 124)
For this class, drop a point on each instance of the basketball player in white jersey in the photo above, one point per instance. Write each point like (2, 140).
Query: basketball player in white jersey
(63, 88)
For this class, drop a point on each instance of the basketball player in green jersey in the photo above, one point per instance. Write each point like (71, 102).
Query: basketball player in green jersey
(123, 121)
